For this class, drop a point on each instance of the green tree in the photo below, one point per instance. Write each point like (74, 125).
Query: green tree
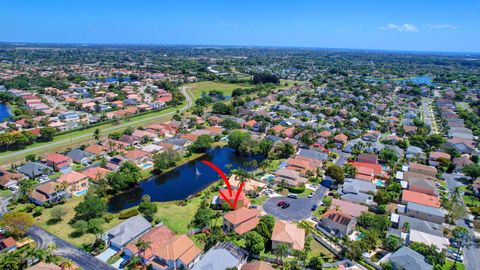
(16, 223)
(472, 170)
(336, 173)
(236, 137)
(221, 108)
(388, 155)
(125, 178)
(147, 207)
(165, 159)
(202, 217)
(92, 207)
(95, 227)
(392, 242)
(254, 242)
(202, 144)
(47, 134)
(265, 226)
(58, 213)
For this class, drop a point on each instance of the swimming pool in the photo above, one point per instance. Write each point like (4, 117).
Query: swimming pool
(147, 165)
(380, 183)
(80, 193)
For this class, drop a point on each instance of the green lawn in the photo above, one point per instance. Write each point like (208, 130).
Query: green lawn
(318, 249)
(449, 263)
(471, 201)
(62, 229)
(5, 192)
(177, 217)
(226, 88)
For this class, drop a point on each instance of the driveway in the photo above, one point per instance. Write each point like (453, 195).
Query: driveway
(299, 208)
(342, 159)
(67, 250)
(453, 180)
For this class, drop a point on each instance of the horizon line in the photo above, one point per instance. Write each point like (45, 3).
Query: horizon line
(19, 43)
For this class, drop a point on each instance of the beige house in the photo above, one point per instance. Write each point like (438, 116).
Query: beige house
(288, 233)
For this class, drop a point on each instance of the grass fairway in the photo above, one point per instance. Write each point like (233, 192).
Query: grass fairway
(226, 88)
(62, 229)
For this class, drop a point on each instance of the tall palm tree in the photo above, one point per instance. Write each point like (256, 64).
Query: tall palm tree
(142, 246)
(96, 135)
(281, 251)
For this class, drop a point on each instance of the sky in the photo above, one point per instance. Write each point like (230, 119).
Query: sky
(420, 25)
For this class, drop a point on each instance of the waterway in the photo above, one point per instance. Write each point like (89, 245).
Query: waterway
(4, 111)
(182, 181)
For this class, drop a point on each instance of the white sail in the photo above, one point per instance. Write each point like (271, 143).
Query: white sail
(197, 172)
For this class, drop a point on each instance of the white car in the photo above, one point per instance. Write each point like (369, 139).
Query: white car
(311, 195)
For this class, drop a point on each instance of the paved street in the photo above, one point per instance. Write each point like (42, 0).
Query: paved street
(67, 250)
(471, 253)
(299, 208)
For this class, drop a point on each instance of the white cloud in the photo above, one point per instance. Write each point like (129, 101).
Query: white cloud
(442, 26)
(406, 27)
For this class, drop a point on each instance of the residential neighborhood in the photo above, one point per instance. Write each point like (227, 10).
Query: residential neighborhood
(198, 158)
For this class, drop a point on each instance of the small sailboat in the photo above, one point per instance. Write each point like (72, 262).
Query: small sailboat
(197, 172)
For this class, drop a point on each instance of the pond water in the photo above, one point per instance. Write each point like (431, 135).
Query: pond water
(423, 79)
(4, 111)
(182, 181)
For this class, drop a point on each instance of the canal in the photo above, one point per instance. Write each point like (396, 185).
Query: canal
(182, 181)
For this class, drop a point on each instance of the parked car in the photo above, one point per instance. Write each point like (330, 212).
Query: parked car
(286, 205)
(293, 196)
(311, 195)
(314, 207)
(281, 203)
(253, 206)
(124, 263)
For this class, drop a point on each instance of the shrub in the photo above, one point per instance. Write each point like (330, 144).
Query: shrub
(128, 213)
(296, 189)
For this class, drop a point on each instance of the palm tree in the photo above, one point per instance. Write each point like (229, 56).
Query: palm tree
(96, 135)
(67, 264)
(143, 245)
(281, 251)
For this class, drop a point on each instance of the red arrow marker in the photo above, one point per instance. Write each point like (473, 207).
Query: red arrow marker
(220, 172)
(239, 190)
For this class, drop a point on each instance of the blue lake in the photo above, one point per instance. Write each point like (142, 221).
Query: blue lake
(182, 181)
(4, 111)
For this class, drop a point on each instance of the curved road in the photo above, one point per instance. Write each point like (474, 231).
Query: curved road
(183, 90)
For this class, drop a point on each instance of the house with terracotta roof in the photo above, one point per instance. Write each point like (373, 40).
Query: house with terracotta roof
(367, 158)
(421, 183)
(289, 177)
(96, 149)
(303, 164)
(9, 179)
(77, 183)
(241, 220)
(136, 156)
(95, 173)
(57, 161)
(420, 198)
(434, 159)
(166, 251)
(338, 222)
(288, 233)
(251, 186)
(369, 171)
(277, 129)
(348, 208)
(226, 196)
(8, 244)
(258, 265)
(340, 140)
(423, 169)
